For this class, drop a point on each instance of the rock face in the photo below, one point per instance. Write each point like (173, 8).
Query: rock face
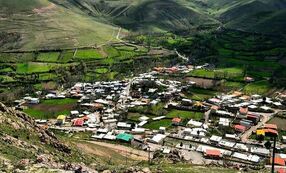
(24, 143)
(17, 120)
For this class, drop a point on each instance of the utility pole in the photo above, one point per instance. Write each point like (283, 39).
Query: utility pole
(126, 158)
(273, 155)
(149, 157)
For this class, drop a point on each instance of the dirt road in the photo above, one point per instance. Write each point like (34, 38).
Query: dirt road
(265, 117)
(123, 150)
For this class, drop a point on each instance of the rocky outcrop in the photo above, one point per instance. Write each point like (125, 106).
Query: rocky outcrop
(18, 120)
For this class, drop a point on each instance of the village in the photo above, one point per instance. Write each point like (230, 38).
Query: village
(150, 112)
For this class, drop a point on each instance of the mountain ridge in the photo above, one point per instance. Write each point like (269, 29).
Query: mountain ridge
(71, 23)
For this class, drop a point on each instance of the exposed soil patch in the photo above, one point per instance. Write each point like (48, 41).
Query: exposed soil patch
(44, 9)
(204, 83)
(111, 148)
(280, 122)
(53, 108)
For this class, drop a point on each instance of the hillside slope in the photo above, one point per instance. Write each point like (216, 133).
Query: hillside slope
(52, 24)
(45, 25)
(146, 15)
(264, 16)
(23, 143)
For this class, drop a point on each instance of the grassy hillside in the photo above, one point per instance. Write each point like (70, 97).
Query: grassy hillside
(253, 15)
(146, 15)
(12, 6)
(50, 27)
(50, 24)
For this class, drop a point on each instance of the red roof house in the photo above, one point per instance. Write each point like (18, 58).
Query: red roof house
(176, 121)
(270, 132)
(213, 153)
(239, 128)
(281, 170)
(270, 126)
(243, 110)
(78, 122)
(278, 161)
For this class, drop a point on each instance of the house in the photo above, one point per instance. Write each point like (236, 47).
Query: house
(258, 150)
(162, 130)
(213, 153)
(232, 136)
(50, 96)
(265, 108)
(109, 136)
(138, 130)
(284, 139)
(242, 147)
(278, 161)
(239, 128)
(260, 133)
(102, 130)
(34, 101)
(223, 113)
(158, 118)
(39, 121)
(144, 118)
(98, 136)
(142, 123)
(255, 118)
(246, 123)
(252, 158)
(215, 101)
(74, 113)
(248, 79)
(187, 102)
(61, 120)
(270, 132)
(194, 123)
(243, 110)
(166, 150)
(224, 122)
(226, 143)
(158, 138)
(215, 139)
(270, 126)
(124, 137)
(176, 121)
(123, 125)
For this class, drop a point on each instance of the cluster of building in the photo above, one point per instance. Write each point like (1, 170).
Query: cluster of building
(102, 107)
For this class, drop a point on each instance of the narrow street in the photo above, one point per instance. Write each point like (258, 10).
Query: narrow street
(265, 118)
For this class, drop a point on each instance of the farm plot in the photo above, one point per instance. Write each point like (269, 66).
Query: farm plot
(51, 108)
(88, 54)
(185, 114)
(259, 87)
(280, 122)
(48, 57)
(155, 125)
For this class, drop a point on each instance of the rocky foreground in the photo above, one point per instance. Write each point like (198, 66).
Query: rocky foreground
(28, 147)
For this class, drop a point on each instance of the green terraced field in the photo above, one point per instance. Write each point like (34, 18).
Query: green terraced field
(155, 125)
(88, 54)
(185, 114)
(33, 67)
(48, 57)
(259, 87)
